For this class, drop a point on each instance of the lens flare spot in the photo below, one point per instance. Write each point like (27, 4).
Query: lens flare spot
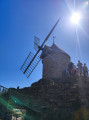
(86, 3)
(75, 18)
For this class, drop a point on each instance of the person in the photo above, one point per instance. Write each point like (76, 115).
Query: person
(85, 70)
(70, 68)
(74, 69)
(79, 68)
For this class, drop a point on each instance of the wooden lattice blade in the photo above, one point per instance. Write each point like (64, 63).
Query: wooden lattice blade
(32, 66)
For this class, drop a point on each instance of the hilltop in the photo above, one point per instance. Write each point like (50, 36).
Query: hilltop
(50, 99)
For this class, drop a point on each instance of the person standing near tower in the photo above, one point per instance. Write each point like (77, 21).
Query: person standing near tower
(85, 70)
(79, 68)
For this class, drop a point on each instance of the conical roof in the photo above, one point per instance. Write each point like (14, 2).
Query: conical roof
(57, 49)
(53, 48)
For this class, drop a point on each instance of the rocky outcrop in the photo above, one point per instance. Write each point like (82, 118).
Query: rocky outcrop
(54, 99)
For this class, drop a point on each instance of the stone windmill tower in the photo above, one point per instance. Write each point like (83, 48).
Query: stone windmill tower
(55, 61)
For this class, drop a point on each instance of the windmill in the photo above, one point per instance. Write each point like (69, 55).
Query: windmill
(32, 60)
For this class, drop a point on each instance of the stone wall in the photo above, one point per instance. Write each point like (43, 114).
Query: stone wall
(54, 64)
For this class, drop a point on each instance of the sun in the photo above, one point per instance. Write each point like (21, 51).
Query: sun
(75, 18)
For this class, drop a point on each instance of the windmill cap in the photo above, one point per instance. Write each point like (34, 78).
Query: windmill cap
(57, 49)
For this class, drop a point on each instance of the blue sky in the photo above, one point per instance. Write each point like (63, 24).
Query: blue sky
(21, 20)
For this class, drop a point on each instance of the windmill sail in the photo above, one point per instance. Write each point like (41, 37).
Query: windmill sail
(32, 60)
(36, 43)
(32, 66)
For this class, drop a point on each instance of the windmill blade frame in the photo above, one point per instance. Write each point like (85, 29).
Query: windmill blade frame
(36, 43)
(32, 66)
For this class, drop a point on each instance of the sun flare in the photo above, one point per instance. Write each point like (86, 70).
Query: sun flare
(75, 18)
